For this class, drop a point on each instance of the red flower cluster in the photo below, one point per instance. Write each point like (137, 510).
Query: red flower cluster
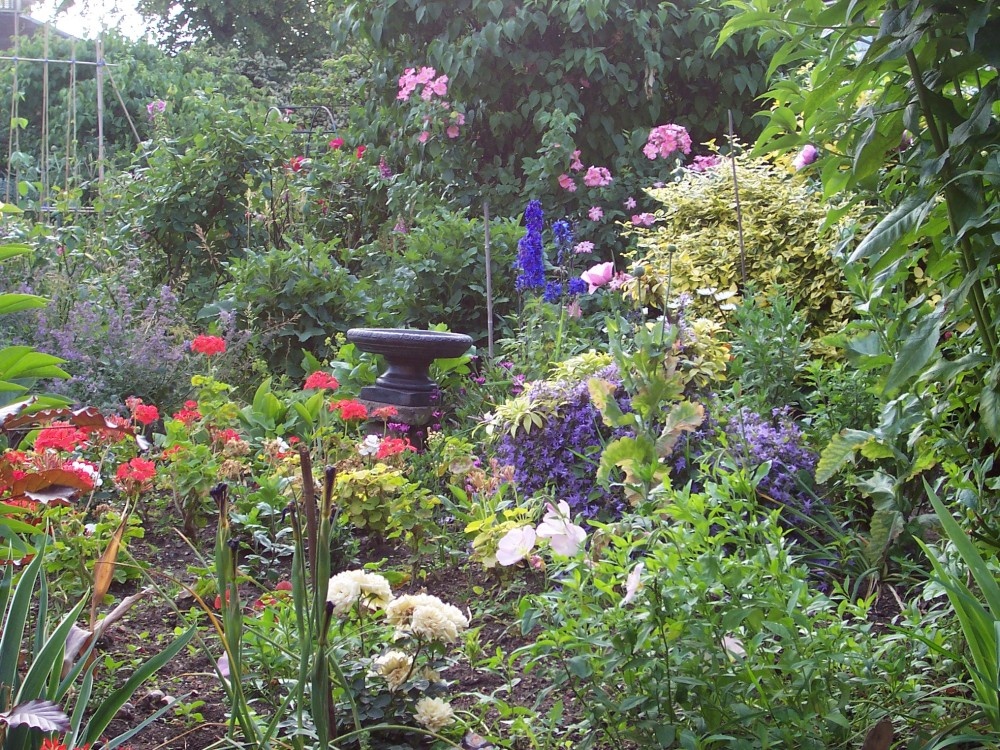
(227, 435)
(321, 381)
(189, 413)
(50, 744)
(142, 413)
(136, 475)
(208, 345)
(60, 436)
(296, 163)
(385, 412)
(391, 446)
(349, 409)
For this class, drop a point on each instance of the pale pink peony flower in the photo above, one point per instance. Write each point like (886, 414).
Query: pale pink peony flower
(598, 276)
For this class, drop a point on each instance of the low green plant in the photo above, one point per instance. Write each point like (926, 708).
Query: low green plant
(694, 626)
(770, 352)
(978, 612)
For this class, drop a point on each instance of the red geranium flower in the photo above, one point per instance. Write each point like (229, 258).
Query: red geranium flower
(136, 475)
(320, 381)
(61, 436)
(360, 151)
(208, 345)
(349, 409)
(391, 446)
(385, 412)
(145, 413)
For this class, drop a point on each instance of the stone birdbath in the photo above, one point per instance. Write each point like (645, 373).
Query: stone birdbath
(406, 382)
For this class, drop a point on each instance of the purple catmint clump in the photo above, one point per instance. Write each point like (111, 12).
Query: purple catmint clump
(754, 440)
(562, 455)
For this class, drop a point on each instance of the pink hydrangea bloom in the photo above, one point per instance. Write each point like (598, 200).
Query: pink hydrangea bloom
(664, 140)
(566, 183)
(597, 177)
(596, 213)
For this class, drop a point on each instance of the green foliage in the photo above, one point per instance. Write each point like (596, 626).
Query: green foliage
(436, 273)
(617, 65)
(295, 299)
(696, 628)
(695, 244)
(291, 32)
(770, 352)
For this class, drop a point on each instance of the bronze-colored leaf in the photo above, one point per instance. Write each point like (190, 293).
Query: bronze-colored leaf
(879, 736)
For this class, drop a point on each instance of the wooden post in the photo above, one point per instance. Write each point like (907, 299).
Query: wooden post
(489, 279)
(100, 111)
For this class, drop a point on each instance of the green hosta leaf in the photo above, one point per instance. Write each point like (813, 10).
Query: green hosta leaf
(11, 303)
(20, 362)
(839, 451)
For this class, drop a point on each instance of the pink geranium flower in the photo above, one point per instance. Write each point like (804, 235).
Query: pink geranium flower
(597, 177)
(596, 213)
(643, 220)
(807, 156)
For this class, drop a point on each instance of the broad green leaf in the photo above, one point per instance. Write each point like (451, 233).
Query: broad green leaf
(895, 227)
(989, 412)
(886, 526)
(839, 451)
(915, 353)
(683, 417)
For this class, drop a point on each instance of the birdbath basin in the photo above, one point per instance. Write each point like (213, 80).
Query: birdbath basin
(408, 355)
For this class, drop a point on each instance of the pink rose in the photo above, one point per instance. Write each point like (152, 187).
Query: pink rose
(452, 131)
(598, 276)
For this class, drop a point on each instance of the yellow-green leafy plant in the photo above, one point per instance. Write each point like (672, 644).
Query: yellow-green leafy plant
(694, 246)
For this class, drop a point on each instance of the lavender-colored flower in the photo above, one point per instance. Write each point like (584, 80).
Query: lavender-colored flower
(156, 107)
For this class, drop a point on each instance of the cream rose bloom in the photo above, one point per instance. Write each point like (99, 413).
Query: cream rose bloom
(394, 667)
(347, 588)
(433, 713)
(426, 617)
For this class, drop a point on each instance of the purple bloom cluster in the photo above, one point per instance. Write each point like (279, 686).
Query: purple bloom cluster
(562, 455)
(754, 439)
(530, 253)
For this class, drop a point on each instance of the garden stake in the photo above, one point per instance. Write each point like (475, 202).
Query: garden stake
(489, 278)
